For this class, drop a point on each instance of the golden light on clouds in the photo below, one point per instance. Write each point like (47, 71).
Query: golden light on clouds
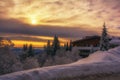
(40, 42)
(51, 38)
(62, 12)
(19, 43)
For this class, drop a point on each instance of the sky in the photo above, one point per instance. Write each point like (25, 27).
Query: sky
(36, 21)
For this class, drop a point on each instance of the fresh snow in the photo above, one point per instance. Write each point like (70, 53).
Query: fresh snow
(100, 62)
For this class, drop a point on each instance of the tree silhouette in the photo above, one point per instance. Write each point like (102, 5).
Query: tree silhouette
(67, 47)
(48, 48)
(25, 47)
(104, 42)
(30, 51)
(55, 45)
(70, 45)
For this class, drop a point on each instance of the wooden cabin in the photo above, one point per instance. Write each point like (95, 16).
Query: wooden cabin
(87, 41)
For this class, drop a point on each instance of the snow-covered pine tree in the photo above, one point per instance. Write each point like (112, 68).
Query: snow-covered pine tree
(104, 42)
(55, 45)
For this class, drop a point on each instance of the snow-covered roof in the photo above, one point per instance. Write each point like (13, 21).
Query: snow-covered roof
(97, 63)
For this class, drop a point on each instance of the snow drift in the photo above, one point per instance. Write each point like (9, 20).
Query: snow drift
(107, 62)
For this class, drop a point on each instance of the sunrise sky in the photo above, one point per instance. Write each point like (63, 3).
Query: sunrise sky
(36, 21)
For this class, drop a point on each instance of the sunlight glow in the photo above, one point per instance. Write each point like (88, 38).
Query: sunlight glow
(36, 44)
(32, 19)
(19, 43)
(34, 22)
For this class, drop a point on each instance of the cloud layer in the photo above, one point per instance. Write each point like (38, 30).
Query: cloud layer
(64, 12)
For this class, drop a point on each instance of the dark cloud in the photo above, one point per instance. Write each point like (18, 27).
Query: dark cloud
(16, 27)
(27, 38)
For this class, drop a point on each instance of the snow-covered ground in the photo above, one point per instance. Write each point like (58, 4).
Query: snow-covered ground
(107, 62)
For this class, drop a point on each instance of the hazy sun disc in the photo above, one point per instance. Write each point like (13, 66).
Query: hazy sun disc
(34, 21)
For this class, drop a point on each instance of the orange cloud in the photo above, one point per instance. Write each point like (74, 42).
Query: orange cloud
(19, 43)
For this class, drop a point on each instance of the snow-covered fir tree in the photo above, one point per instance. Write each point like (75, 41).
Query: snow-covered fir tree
(104, 42)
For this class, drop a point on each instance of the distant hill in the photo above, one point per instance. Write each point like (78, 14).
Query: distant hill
(19, 50)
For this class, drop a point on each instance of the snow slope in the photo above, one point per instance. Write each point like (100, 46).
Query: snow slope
(107, 62)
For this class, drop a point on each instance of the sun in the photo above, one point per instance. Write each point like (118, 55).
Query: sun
(34, 21)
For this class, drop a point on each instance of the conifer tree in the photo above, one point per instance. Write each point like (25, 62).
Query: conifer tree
(67, 46)
(70, 46)
(30, 51)
(55, 45)
(48, 48)
(104, 42)
(25, 47)
(25, 54)
(45, 47)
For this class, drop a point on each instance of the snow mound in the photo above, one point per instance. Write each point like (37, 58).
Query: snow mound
(107, 62)
(112, 55)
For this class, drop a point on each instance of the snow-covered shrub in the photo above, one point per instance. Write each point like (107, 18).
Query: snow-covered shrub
(63, 57)
(8, 61)
(17, 66)
(42, 58)
(30, 63)
(73, 55)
